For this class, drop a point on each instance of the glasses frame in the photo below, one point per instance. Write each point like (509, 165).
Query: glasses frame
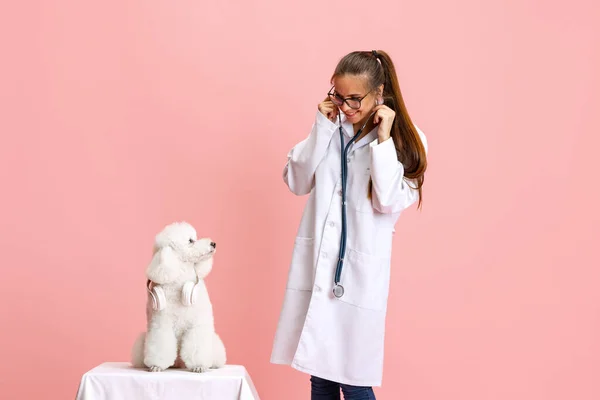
(332, 95)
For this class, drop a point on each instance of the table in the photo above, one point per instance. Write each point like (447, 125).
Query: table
(121, 381)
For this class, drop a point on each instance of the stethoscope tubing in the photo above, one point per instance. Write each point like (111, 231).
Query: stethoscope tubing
(338, 290)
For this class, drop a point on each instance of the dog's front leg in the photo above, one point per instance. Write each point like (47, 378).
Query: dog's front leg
(197, 348)
(161, 344)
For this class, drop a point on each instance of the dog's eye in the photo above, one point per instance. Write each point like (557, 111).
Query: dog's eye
(191, 241)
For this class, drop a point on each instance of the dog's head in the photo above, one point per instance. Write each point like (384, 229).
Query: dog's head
(178, 253)
(182, 238)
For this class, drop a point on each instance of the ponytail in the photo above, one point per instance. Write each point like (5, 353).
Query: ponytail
(409, 147)
(379, 69)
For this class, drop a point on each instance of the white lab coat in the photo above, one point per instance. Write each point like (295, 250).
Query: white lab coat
(341, 340)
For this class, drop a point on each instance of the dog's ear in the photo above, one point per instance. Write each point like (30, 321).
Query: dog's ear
(164, 267)
(162, 239)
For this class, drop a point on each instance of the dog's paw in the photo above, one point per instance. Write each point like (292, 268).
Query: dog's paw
(199, 369)
(155, 369)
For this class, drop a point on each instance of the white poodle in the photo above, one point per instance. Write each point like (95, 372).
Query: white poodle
(180, 324)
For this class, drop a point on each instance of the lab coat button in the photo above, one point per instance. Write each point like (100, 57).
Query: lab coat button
(317, 289)
(332, 224)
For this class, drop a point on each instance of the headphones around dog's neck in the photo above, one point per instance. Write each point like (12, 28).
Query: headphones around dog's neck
(159, 300)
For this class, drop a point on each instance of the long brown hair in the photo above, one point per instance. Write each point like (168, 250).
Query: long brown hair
(378, 68)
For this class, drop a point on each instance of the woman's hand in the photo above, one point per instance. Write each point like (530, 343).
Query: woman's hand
(384, 117)
(328, 109)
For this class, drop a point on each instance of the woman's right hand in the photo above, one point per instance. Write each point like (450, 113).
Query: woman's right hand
(328, 109)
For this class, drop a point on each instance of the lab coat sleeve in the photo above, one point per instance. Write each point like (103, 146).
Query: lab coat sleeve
(303, 159)
(391, 191)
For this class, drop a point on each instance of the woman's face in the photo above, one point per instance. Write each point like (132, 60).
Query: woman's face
(352, 88)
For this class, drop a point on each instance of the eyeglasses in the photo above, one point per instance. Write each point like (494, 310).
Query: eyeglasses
(352, 102)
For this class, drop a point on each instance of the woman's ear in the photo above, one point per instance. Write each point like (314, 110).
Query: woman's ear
(164, 266)
(379, 95)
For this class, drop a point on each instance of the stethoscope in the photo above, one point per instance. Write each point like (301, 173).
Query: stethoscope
(338, 290)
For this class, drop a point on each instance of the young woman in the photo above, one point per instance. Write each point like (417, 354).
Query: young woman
(363, 163)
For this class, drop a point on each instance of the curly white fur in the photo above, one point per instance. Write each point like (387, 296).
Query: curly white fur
(180, 336)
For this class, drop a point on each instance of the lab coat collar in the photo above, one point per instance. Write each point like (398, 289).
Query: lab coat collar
(367, 139)
(348, 129)
(347, 126)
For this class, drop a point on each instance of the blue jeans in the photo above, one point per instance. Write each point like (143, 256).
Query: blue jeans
(322, 389)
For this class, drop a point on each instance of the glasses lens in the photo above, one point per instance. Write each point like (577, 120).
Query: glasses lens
(353, 103)
(335, 99)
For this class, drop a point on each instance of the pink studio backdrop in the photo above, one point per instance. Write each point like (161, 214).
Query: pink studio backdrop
(120, 117)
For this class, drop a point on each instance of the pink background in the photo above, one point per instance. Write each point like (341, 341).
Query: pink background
(119, 117)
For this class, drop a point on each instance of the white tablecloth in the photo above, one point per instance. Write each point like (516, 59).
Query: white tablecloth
(120, 381)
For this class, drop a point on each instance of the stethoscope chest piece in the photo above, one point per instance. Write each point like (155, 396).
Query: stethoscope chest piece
(338, 290)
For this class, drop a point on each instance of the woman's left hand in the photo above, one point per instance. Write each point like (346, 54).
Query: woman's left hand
(384, 117)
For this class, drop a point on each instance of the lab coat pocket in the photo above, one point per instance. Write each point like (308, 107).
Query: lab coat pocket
(365, 280)
(300, 276)
(358, 193)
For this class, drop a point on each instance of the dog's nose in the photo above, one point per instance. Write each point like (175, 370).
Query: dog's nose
(213, 244)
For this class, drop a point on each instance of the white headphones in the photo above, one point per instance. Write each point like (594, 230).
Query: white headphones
(159, 300)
